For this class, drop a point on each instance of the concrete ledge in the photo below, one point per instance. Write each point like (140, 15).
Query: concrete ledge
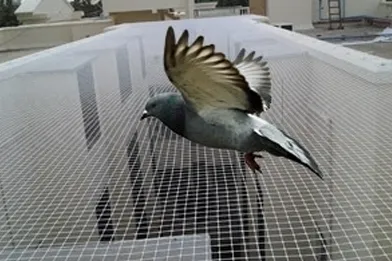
(49, 34)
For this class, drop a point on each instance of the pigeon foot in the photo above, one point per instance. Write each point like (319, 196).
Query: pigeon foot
(252, 164)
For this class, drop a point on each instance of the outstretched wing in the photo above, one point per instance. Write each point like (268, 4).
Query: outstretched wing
(205, 78)
(256, 73)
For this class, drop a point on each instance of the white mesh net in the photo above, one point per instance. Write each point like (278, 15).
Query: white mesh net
(83, 179)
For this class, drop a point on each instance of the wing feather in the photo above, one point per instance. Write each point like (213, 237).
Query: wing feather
(256, 73)
(205, 78)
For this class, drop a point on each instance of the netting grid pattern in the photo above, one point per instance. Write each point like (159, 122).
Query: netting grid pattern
(83, 179)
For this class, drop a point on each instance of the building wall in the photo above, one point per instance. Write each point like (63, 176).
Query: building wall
(113, 6)
(361, 7)
(137, 16)
(56, 10)
(10, 55)
(206, 5)
(298, 12)
(352, 8)
(23, 40)
(258, 7)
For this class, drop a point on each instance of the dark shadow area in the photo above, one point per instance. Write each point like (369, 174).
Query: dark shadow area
(103, 212)
(89, 107)
(124, 75)
(137, 188)
(323, 252)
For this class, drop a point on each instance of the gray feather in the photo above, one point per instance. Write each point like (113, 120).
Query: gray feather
(256, 73)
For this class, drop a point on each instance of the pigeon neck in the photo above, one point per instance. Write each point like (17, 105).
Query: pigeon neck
(174, 116)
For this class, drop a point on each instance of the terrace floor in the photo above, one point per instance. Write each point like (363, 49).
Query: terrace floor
(359, 30)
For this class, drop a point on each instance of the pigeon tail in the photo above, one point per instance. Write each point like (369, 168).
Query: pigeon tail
(303, 157)
(280, 144)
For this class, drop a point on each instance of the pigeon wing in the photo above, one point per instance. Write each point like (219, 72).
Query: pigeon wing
(205, 78)
(257, 74)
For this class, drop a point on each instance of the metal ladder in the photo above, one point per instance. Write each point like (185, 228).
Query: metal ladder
(334, 14)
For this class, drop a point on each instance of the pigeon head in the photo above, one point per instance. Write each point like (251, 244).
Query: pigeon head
(154, 107)
(168, 108)
(157, 106)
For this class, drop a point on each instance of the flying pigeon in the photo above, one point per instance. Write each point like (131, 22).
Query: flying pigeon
(219, 102)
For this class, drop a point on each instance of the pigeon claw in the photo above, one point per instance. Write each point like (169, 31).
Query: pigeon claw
(252, 164)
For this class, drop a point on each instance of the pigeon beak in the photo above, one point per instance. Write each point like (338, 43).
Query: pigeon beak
(144, 115)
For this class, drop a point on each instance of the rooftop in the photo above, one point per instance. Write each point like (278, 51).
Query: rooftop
(358, 32)
(81, 178)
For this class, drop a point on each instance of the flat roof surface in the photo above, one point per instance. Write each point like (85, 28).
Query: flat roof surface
(361, 32)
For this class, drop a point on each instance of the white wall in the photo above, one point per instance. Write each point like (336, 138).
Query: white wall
(361, 7)
(208, 5)
(298, 12)
(137, 5)
(61, 93)
(56, 10)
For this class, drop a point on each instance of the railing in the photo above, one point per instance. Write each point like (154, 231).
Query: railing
(226, 11)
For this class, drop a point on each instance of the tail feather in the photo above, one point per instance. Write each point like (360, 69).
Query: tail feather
(304, 158)
(280, 144)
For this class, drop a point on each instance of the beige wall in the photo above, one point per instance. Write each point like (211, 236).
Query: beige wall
(10, 55)
(23, 40)
(48, 35)
(258, 7)
(298, 12)
(139, 16)
(118, 6)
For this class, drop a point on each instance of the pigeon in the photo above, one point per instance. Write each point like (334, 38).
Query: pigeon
(219, 102)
